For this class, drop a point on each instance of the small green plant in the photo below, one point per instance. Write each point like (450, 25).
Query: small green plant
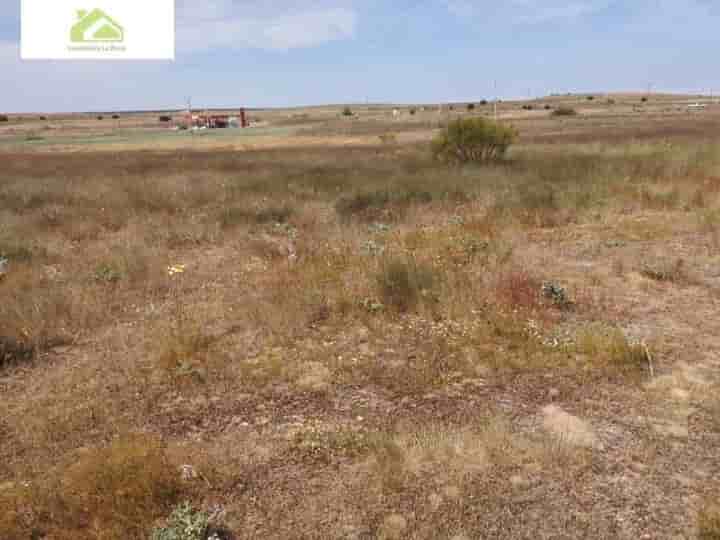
(347, 111)
(413, 110)
(483, 102)
(4, 118)
(473, 140)
(564, 111)
(165, 118)
(644, 99)
(591, 98)
(108, 272)
(556, 294)
(100, 117)
(470, 106)
(185, 523)
(115, 116)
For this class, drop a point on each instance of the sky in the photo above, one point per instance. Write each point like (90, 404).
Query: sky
(279, 53)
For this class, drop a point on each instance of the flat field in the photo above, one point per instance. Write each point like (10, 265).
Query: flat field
(310, 329)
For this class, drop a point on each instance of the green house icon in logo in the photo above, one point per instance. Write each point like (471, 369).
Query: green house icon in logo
(95, 26)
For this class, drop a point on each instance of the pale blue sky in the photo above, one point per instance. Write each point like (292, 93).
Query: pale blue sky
(261, 53)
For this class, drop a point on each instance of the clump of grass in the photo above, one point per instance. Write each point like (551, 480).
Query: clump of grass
(16, 250)
(609, 347)
(405, 283)
(564, 111)
(115, 493)
(665, 271)
(366, 203)
(709, 521)
(108, 272)
(326, 445)
(232, 217)
(388, 139)
(382, 204)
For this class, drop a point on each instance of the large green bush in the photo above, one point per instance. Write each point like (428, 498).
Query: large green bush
(473, 140)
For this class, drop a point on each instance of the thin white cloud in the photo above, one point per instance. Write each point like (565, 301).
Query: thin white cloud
(280, 25)
(527, 11)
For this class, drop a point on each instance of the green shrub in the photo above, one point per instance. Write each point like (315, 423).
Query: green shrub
(4, 118)
(347, 111)
(591, 98)
(483, 102)
(564, 111)
(473, 139)
(644, 99)
(165, 118)
(471, 107)
(185, 523)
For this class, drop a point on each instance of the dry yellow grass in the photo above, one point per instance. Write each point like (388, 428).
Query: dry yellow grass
(358, 342)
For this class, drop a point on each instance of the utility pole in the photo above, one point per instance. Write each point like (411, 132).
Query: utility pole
(496, 100)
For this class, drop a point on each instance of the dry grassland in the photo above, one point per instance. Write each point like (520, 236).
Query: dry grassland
(356, 342)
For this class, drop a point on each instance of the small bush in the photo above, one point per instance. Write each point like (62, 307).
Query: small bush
(564, 111)
(116, 116)
(548, 107)
(4, 118)
(644, 99)
(609, 347)
(404, 284)
(347, 111)
(483, 102)
(165, 118)
(100, 117)
(470, 106)
(185, 523)
(591, 98)
(43, 118)
(611, 101)
(115, 493)
(473, 140)
(413, 110)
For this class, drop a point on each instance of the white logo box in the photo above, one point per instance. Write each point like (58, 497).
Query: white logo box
(127, 30)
